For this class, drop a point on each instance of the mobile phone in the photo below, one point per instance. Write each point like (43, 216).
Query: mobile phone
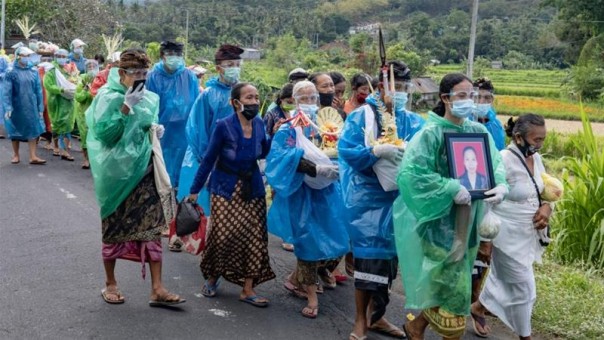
(137, 83)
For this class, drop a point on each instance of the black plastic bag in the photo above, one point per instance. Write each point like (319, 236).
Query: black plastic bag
(188, 217)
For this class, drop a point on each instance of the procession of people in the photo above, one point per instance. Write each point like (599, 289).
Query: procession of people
(351, 172)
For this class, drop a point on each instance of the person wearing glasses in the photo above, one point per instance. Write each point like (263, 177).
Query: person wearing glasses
(307, 206)
(177, 89)
(485, 113)
(368, 205)
(436, 220)
(120, 121)
(211, 105)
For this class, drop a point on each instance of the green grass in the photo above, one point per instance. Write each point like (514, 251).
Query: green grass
(533, 83)
(570, 302)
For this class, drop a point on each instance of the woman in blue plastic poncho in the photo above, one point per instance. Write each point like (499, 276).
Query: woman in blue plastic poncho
(435, 219)
(211, 105)
(23, 105)
(238, 242)
(308, 202)
(368, 205)
(119, 147)
(485, 114)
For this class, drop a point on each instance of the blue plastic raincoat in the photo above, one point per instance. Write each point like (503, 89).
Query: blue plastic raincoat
(177, 92)
(80, 63)
(211, 105)
(119, 145)
(23, 98)
(3, 86)
(436, 251)
(368, 206)
(495, 128)
(313, 218)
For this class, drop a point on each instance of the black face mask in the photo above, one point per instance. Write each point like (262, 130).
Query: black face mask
(325, 99)
(250, 111)
(527, 149)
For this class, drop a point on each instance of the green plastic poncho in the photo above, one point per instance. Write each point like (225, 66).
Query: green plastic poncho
(60, 109)
(119, 145)
(436, 252)
(82, 102)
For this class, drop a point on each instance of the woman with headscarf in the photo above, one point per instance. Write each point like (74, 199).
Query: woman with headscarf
(83, 99)
(436, 220)
(128, 183)
(212, 104)
(238, 242)
(23, 105)
(60, 85)
(308, 205)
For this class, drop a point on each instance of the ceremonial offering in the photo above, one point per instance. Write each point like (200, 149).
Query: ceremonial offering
(330, 127)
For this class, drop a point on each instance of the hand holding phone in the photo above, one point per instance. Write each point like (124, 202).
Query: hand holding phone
(136, 86)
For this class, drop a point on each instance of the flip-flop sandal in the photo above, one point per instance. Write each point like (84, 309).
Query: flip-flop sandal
(164, 301)
(295, 290)
(37, 162)
(208, 290)
(391, 331)
(314, 311)
(67, 158)
(253, 300)
(356, 337)
(15, 162)
(105, 294)
(482, 322)
(57, 154)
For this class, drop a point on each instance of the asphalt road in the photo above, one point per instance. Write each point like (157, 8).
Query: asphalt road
(51, 275)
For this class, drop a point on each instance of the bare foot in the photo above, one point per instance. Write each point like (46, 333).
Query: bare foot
(15, 160)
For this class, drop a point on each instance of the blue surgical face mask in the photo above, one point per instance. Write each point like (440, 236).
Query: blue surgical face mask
(62, 61)
(482, 110)
(462, 108)
(231, 75)
(35, 59)
(78, 51)
(174, 62)
(309, 109)
(26, 61)
(400, 100)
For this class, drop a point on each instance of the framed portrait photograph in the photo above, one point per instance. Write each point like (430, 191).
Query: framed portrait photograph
(470, 161)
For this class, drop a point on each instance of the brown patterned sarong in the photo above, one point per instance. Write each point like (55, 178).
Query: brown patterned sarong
(140, 217)
(237, 246)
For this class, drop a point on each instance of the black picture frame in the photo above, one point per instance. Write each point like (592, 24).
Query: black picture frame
(478, 178)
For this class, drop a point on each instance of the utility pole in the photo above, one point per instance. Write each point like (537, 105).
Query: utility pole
(2, 24)
(187, 35)
(472, 39)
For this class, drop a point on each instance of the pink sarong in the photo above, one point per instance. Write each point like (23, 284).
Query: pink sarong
(137, 251)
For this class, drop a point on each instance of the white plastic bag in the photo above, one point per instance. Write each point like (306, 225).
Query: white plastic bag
(490, 225)
(386, 171)
(315, 155)
(63, 82)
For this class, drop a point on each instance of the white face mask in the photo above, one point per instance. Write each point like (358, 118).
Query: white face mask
(309, 109)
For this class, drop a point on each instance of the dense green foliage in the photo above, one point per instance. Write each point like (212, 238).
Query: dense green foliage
(579, 222)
